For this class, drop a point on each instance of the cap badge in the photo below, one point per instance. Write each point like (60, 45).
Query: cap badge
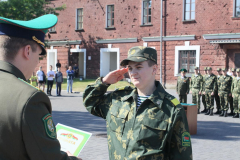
(38, 41)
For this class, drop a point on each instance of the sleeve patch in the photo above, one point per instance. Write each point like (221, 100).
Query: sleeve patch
(175, 102)
(186, 139)
(49, 126)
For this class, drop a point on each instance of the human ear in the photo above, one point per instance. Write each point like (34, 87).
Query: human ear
(26, 51)
(155, 69)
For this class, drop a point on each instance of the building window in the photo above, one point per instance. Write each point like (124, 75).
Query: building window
(52, 30)
(189, 10)
(237, 8)
(79, 19)
(52, 58)
(146, 16)
(187, 56)
(110, 16)
(187, 60)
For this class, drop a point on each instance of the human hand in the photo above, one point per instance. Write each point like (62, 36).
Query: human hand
(70, 154)
(230, 94)
(203, 93)
(212, 94)
(200, 93)
(114, 76)
(190, 92)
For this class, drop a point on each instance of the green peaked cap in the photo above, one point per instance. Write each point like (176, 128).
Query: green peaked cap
(42, 23)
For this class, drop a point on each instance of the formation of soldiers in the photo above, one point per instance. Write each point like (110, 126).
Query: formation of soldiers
(225, 89)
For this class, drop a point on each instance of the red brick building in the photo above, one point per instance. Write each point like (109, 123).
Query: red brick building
(96, 34)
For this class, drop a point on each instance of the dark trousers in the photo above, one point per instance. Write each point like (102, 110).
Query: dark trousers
(49, 87)
(231, 103)
(183, 98)
(58, 88)
(217, 99)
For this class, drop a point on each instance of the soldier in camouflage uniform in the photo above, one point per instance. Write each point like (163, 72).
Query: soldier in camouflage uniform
(224, 91)
(217, 99)
(182, 88)
(203, 96)
(196, 87)
(231, 98)
(145, 122)
(235, 89)
(210, 86)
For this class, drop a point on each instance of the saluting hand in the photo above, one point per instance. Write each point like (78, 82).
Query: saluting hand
(114, 76)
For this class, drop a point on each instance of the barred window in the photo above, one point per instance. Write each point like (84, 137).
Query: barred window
(79, 20)
(110, 16)
(237, 8)
(187, 60)
(147, 11)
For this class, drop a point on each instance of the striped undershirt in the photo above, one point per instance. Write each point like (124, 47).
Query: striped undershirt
(141, 99)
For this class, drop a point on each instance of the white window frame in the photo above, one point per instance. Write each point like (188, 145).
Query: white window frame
(76, 25)
(49, 51)
(107, 16)
(184, 5)
(142, 14)
(234, 8)
(186, 47)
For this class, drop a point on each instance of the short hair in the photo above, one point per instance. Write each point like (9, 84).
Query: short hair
(151, 63)
(11, 45)
(51, 65)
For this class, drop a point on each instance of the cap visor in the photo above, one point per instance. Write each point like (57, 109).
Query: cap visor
(43, 51)
(134, 59)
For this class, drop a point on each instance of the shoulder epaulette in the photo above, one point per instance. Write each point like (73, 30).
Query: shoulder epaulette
(29, 84)
(173, 100)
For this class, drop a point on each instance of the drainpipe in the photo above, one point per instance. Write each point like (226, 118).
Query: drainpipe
(161, 41)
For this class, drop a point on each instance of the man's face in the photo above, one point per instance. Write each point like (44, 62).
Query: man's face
(238, 74)
(50, 68)
(224, 73)
(219, 72)
(70, 68)
(183, 74)
(33, 60)
(234, 73)
(141, 74)
(209, 72)
(205, 71)
(196, 71)
(59, 69)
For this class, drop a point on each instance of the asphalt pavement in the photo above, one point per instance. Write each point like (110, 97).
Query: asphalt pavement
(217, 138)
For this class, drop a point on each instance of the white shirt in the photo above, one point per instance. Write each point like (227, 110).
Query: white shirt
(40, 75)
(50, 73)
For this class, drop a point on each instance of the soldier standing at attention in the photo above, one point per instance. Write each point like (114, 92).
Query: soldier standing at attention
(203, 96)
(224, 91)
(235, 90)
(210, 86)
(196, 87)
(144, 122)
(183, 86)
(217, 99)
(27, 130)
(231, 98)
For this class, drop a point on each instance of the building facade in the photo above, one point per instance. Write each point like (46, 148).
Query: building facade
(96, 35)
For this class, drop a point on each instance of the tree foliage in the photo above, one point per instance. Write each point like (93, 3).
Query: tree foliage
(27, 9)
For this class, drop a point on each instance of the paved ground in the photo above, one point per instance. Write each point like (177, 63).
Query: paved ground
(217, 138)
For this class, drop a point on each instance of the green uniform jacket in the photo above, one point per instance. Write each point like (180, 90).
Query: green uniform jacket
(235, 89)
(24, 133)
(224, 84)
(182, 85)
(158, 129)
(204, 78)
(196, 82)
(210, 83)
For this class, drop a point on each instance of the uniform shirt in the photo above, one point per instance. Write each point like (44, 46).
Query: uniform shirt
(158, 129)
(50, 73)
(26, 129)
(39, 75)
(70, 74)
(196, 82)
(224, 83)
(182, 85)
(210, 83)
(235, 88)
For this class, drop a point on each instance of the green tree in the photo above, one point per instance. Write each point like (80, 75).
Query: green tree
(27, 9)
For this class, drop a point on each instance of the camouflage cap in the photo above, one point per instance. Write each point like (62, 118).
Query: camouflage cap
(233, 69)
(196, 68)
(205, 68)
(209, 68)
(238, 70)
(219, 69)
(183, 70)
(140, 54)
(224, 69)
